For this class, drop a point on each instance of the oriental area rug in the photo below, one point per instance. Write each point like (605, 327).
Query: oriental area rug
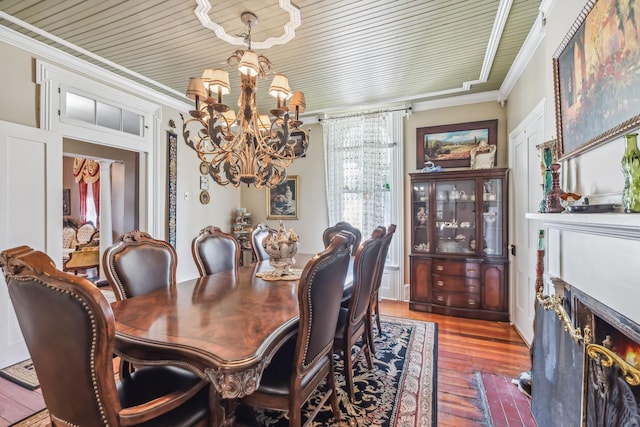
(399, 392)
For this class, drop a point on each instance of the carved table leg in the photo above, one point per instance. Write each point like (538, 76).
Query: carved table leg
(230, 410)
(222, 410)
(216, 411)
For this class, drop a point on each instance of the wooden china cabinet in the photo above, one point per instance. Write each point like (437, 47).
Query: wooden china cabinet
(459, 260)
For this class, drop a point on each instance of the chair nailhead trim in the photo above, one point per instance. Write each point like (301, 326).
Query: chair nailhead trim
(94, 340)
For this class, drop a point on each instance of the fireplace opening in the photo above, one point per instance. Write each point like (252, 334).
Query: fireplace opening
(611, 338)
(612, 379)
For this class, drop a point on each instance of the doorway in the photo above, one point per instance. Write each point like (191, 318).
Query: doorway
(124, 181)
(526, 196)
(123, 195)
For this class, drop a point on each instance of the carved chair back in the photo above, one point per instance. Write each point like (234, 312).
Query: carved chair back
(138, 264)
(329, 232)
(214, 251)
(258, 234)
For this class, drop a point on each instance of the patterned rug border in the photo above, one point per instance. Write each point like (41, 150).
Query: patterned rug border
(409, 412)
(39, 419)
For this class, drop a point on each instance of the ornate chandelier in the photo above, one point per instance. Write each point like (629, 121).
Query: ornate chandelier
(245, 146)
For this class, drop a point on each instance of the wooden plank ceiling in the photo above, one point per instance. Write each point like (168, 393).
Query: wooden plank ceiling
(346, 54)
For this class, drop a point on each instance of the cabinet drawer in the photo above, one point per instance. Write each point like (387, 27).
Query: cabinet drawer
(463, 300)
(456, 284)
(456, 268)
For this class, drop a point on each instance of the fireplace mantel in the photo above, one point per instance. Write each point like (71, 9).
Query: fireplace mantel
(595, 253)
(617, 225)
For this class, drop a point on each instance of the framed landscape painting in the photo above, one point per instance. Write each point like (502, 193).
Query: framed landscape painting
(450, 146)
(596, 78)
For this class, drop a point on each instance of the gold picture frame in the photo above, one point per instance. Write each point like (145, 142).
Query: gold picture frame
(597, 91)
(282, 200)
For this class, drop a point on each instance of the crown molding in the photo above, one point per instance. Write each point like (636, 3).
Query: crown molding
(545, 6)
(528, 49)
(455, 101)
(53, 54)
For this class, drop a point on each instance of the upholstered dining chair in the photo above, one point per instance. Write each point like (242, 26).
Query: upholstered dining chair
(214, 251)
(57, 310)
(377, 233)
(138, 264)
(258, 234)
(374, 312)
(328, 233)
(304, 361)
(353, 320)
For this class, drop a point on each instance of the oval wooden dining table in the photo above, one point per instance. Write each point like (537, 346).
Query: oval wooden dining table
(224, 327)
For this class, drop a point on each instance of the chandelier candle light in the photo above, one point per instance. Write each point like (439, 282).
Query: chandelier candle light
(245, 147)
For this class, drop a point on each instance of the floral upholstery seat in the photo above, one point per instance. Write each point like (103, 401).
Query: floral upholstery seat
(68, 241)
(84, 233)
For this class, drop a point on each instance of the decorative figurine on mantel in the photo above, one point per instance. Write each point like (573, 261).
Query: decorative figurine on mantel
(630, 166)
(553, 199)
(547, 159)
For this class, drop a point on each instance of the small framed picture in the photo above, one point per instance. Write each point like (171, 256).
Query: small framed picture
(282, 201)
(204, 168)
(66, 201)
(204, 182)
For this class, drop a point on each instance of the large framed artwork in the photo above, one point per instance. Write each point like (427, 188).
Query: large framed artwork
(450, 146)
(172, 186)
(282, 200)
(596, 76)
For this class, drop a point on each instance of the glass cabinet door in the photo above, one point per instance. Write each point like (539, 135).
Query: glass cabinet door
(420, 201)
(492, 221)
(455, 215)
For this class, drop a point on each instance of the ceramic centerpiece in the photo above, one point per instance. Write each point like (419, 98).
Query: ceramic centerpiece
(281, 247)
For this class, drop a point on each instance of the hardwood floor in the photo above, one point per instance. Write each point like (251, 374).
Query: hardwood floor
(465, 347)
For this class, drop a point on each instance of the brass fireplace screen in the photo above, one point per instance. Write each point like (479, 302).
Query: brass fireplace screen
(610, 392)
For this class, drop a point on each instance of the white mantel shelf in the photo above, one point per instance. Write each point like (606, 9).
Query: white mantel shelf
(618, 225)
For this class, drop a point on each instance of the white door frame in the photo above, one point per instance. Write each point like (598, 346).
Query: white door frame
(392, 285)
(524, 197)
(30, 213)
(52, 78)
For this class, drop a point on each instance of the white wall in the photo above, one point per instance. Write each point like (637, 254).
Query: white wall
(191, 215)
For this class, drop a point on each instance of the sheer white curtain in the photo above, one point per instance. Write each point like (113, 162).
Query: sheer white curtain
(360, 153)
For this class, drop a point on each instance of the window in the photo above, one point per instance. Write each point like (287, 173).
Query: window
(95, 112)
(360, 153)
